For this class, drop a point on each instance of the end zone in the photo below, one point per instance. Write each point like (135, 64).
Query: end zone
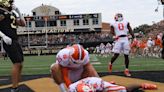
(46, 84)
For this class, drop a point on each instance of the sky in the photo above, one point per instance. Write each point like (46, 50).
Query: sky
(137, 12)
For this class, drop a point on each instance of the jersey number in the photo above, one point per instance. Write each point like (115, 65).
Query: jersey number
(13, 22)
(121, 26)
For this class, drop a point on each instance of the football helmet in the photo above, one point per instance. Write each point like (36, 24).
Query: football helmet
(77, 54)
(82, 87)
(6, 3)
(118, 17)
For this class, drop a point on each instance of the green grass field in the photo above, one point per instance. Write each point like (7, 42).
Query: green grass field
(34, 65)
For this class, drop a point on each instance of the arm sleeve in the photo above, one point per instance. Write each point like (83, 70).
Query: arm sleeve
(1, 34)
(65, 76)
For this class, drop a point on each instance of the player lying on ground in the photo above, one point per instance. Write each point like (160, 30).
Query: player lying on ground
(95, 84)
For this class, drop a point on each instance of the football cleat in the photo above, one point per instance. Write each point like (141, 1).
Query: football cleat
(126, 72)
(149, 86)
(15, 90)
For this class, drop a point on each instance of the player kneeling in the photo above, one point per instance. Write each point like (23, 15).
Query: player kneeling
(72, 64)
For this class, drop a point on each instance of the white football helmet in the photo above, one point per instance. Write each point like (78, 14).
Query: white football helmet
(118, 17)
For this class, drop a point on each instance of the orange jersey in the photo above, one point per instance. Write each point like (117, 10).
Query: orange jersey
(158, 42)
(142, 44)
(134, 43)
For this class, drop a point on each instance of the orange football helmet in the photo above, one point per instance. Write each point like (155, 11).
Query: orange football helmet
(82, 87)
(77, 53)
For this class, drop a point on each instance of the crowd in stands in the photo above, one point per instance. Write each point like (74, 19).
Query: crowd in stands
(54, 39)
(37, 42)
(141, 46)
(149, 45)
(144, 45)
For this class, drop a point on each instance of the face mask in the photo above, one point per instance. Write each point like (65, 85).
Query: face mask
(120, 18)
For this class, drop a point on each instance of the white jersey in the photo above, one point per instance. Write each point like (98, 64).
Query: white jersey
(150, 43)
(74, 70)
(98, 84)
(97, 49)
(120, 28)
(63, 58)
(121, 43)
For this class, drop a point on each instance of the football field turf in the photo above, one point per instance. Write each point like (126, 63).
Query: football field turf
(47, 85)
(34, 65)
(37, 71)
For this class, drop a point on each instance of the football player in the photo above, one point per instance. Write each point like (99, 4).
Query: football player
(95, 84)
(72, 64)
(120, 29)
(8, 31)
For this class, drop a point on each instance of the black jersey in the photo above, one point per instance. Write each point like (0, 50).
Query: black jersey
(163, 40)
(8, 23)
